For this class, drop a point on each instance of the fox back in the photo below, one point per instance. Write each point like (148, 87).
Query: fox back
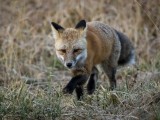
(75, 46)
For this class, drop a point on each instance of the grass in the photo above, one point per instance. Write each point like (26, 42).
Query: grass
(31, 77)
(135, 99)
(21, 103)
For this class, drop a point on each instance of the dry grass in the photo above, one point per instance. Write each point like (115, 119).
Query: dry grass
(27, 56)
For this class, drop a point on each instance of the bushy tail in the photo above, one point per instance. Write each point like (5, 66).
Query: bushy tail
(127, 55)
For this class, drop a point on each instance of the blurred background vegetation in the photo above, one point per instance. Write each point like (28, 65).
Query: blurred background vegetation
(26, 44)
(25, 33)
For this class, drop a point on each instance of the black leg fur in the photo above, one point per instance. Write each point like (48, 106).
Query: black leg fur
(77, 80)
(111, 73)
(112, 79)
(79, 92)
(92, 81)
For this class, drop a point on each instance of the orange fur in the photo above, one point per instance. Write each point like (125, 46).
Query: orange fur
(95, 43)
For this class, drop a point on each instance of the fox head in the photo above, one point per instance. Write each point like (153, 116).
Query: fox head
(71, 44)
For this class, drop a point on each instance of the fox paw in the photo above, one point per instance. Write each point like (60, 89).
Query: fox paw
(67, 90)
(91, 91)
(91, 88)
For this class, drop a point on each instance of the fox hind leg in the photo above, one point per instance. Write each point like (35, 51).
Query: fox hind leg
(111, 73)
(110, 65)
(112, 79)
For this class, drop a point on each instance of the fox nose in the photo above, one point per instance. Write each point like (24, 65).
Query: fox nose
(69, 65)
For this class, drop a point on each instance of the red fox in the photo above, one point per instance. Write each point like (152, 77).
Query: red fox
(87, 45)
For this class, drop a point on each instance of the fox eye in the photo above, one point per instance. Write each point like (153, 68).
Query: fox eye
(62, 51)
(77, 50)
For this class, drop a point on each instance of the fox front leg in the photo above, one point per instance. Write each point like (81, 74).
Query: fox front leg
(79, 92)
(78, 80)
(92, 81)
(90, 86)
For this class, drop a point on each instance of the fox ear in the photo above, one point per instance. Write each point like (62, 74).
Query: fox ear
(57, 29)
(81, 25)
